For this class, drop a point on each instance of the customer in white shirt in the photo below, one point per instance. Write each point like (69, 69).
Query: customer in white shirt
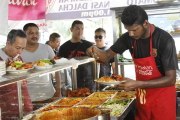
(40, 88)
(16, 42)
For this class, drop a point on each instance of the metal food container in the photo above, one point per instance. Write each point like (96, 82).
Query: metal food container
(125, 101)
(96, 99)
(111, 88)
(90, 108)
(75, 113)
(105, 114)
(123, 113)
(66, 102)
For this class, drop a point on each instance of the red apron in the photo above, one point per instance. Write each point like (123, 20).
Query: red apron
(153, 103)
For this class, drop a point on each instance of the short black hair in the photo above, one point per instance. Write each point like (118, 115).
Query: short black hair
(53, 36)
(26, 26)
(11, 37)
(100, 30)
(76, 22)
(133, 14)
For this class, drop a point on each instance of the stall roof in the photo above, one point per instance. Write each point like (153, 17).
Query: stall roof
(153, 8)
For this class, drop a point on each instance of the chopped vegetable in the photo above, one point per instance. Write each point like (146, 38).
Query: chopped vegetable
(117, 106)
(46, 61)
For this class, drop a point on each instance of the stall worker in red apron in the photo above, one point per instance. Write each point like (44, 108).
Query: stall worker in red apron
(154, 54)
(16, 42)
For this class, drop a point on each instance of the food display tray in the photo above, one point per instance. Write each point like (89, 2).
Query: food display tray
(116, 99)
(129, 107)
(111, 88)
(95, 95)
(61, 103)
(96, 99)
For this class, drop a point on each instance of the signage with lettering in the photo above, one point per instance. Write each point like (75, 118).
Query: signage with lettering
(3, 17)
(27, 9)
(123, 3)
(71, 9)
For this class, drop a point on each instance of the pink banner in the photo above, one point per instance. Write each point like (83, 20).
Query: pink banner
(3, 17)
(27, 9)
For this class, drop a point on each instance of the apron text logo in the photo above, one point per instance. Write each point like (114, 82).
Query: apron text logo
(144, 70)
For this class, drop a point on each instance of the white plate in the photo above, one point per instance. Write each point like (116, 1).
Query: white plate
(2, 62)
(61, 61)
(110, 83)
(18, 71)
(3, 68)
(2, 73)
(43, 67)
(2, 65)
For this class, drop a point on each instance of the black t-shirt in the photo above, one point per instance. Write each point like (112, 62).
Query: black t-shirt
(105, 69)
(163, 42)
(71, 50)
(85, 71)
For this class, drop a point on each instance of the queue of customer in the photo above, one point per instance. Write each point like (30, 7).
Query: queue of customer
(152, 49)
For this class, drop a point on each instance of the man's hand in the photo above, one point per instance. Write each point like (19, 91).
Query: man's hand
(129, 84)
(98, 54)
(92, 51)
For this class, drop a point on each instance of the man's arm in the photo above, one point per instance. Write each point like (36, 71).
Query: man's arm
(168, 80)
(58, 84)
(113, 67)
(51, 52)
(1, 59)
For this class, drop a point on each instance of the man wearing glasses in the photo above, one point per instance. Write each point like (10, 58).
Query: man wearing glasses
(105, 69)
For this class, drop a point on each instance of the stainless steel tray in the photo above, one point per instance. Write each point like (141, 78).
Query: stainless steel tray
(120, 117)
(125, 112)
(111, 88)
(96, 95)
(32, 114)
(55, 103)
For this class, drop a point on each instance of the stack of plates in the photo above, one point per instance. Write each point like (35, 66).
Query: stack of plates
(2, 68)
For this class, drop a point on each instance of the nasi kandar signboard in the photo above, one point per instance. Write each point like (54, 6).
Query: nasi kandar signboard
(73, 9)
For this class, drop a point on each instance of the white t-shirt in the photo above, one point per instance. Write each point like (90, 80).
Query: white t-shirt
(40, 88)
(3, 55)
(43, 52)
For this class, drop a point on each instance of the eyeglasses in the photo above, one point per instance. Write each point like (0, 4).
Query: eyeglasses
(98, 36)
